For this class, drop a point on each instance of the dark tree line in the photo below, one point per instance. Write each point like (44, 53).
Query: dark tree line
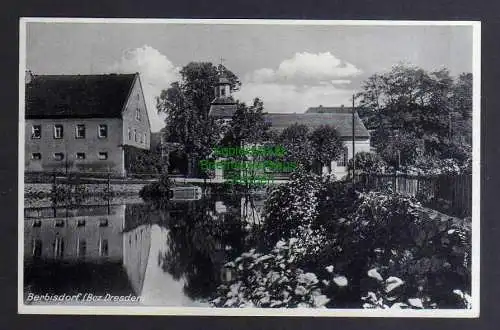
(418, 117)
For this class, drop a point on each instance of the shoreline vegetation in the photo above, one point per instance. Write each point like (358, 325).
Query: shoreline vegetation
(327, 244)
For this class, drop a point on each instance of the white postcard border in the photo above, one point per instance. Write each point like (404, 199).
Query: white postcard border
(296, 312)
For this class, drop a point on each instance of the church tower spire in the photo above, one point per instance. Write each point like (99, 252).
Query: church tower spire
(223, 87)
(223, 105)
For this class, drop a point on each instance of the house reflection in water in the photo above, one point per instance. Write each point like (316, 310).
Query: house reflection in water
(91, 234)
(169, 256)
(136, 248)
(101, 250)
(84, 249)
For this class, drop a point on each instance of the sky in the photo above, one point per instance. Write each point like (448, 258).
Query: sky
(290, 67)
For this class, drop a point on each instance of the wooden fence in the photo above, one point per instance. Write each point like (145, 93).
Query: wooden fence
(450, 194)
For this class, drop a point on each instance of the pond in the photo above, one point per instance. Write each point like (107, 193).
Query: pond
(168, 255)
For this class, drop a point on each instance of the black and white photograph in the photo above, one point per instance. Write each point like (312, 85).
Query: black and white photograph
(249, 167)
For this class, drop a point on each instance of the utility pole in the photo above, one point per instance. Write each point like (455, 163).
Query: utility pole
(449, 126)
(353, 144)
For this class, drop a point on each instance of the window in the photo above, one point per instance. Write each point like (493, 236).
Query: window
(145, 142)
(37, 248)
(135, 135)
(82, 248)
(142, 139)
(36, 131)
(80, 155)
(103, 131)
(129, 134)
(58, 247)
(80, 223)
(222, 91)
(104, 247)
(58, 156)
(138, 114)
(103, 155)
(36, 156)
(59, 223)
(103, 222)
(80, 131)
(37, 223)
(58, 131)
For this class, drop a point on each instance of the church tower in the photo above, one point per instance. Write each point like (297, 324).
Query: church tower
(223, 105)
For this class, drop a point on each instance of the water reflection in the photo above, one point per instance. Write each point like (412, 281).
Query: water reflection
(171, 255)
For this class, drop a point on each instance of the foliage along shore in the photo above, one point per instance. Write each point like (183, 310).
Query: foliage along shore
(323, 244)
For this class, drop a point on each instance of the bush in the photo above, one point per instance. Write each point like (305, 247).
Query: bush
(142, 161)
(392, 234)
(275, 280)
(391, 252)
(157, 190)
(367, 162)
(292, 207)
(431, 253)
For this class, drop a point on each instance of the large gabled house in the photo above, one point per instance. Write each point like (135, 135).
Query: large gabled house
(341, 118)
(84, 123)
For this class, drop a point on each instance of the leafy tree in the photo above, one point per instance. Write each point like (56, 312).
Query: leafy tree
(367, 162)
(326, 144)
(310, 149)
(410, 103)
(186, 104)
(292, 207)
(199, 80)
(297, 145)
(247, 125)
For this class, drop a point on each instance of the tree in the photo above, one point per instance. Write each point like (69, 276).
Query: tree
(295, 140)
(186, 104)
(292, 207)
(408, 102)
(367, 162)
(326, 144)
(247, 125)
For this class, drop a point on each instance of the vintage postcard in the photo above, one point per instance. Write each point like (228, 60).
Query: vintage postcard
(249, 167)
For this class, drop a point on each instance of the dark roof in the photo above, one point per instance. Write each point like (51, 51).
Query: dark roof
(78, 96)
(322, 109)
(222, 110)
(341, 121)
(222, 107)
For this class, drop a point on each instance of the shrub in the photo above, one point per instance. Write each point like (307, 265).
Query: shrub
(367, 162)
(142, 161)
(275, 280)
(430, 252)
(337, 200)
(393, 234)
(291, 207)
(157, 190)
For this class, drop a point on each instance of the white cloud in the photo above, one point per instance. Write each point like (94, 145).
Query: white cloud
(304, 67)
(157, 73)
(340, 82)
(293, 98)
(303, 81)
